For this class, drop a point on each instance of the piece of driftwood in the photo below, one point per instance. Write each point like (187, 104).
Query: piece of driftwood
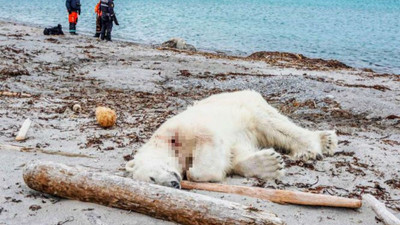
(49, 152)
(14, 94)
(277, 196)
(380, 209)
(153, 200)
(24, 130)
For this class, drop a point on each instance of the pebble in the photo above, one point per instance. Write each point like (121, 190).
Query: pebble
(77, 108)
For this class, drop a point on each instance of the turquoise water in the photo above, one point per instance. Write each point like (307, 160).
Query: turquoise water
(361, 33)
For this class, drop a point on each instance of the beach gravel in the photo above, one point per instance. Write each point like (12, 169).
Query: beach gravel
(146, 86)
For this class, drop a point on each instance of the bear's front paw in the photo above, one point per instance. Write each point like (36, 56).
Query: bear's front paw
(265, 164)
(329, 141)
(320, 143)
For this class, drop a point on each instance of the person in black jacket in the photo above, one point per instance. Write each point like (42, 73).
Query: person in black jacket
(107, 19)
(74, 9)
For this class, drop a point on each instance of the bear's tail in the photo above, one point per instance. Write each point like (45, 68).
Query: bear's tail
(129, 166)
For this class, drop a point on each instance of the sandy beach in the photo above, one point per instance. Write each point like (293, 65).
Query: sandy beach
(47, 75)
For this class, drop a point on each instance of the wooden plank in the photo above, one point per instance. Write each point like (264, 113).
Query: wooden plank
(380, 209)
(24, 130)
(14, 94)
(277, 196)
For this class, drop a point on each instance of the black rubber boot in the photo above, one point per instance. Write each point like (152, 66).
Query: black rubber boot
(72, 28)
(108, 37)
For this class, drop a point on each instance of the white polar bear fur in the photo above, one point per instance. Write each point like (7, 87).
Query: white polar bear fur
(222, 134)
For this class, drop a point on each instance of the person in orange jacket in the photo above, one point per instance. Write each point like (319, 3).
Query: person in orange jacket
(97, 10)
(74, 9)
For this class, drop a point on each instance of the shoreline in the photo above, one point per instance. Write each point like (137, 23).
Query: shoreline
(271, 57)
(47, 75)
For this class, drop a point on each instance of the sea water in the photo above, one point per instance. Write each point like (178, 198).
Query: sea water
(360, 33)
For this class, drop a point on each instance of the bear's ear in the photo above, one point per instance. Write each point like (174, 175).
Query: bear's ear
(129, 166)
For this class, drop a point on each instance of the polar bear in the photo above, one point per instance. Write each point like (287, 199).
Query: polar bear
(228, 133)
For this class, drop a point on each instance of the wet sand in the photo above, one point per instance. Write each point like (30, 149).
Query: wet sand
(146, 86)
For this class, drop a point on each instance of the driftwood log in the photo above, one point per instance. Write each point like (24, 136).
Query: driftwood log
(153, 200)
(380, 209)
(277, 196)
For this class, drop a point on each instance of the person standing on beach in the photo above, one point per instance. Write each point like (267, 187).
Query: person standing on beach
(74, 9)
(107, 19)
(97, 10)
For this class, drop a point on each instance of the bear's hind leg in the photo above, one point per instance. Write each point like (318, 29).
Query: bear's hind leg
(265, 164)
(302, 143)
(276, 130)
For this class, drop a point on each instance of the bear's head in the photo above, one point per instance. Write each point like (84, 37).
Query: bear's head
(165, 157)
(154, 170)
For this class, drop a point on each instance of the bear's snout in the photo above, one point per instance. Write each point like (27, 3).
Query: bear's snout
(175, 184)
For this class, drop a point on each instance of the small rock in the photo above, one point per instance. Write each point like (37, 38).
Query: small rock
(76, 108)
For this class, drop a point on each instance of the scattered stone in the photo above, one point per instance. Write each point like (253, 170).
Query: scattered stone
(77, 108)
